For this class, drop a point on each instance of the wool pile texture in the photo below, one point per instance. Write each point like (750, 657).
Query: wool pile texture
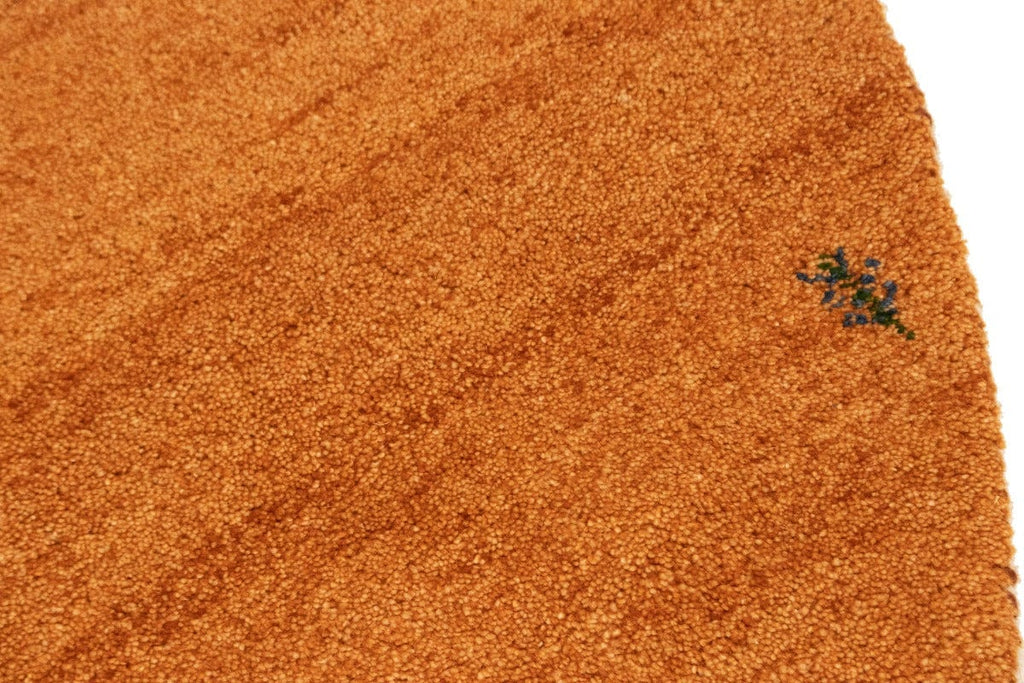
(455, 341)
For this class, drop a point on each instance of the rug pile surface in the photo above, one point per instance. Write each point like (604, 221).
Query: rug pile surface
(504, 341)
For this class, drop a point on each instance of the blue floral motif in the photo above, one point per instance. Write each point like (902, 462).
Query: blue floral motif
(872, 310)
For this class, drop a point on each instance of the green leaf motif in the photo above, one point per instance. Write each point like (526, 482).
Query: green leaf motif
(877, 311)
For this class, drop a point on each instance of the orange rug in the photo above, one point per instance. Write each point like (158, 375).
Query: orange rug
(404, 341)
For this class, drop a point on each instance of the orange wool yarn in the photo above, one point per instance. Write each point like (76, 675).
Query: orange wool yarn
(428, 341)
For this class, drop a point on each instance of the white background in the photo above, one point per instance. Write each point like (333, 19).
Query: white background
(967, 58)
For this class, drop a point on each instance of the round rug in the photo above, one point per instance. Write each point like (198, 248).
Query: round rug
(510, 341)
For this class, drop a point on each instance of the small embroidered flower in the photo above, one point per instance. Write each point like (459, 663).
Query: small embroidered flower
(872, 309)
